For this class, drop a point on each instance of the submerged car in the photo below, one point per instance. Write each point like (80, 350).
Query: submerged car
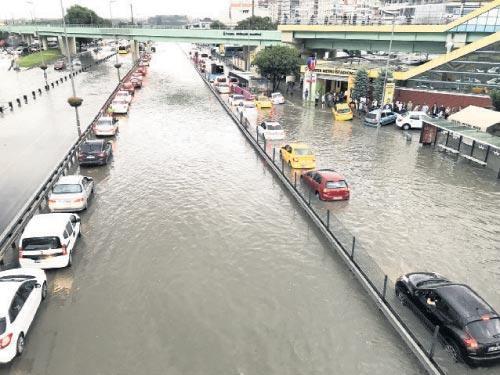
(105, 126)
(411, 120)
(327, 184)
(277, 98)
(71, 194)
(378, 117)
(124, 95)
(467, 323)
(60, 65)
(128, 87)
(223, 88)
(342, 112)
(236, 99)
(21, 292)
(263, 101)
(298, 155)
(271, 130)
(95, 152)
(119, 106)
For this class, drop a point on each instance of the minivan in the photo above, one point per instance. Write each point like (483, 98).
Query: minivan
(48, 241)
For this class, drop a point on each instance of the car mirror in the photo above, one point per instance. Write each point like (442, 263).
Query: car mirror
(37, 285)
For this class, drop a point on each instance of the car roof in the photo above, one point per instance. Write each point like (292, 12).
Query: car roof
(330, 174)
(342, 105)
(298, 145)
(46, 225)
(272, 123)
(7, 291)
(71, 179)
(93, 141)
(107, 118)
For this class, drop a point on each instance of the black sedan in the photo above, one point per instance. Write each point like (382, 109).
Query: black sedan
(468, 324)
(95, 152)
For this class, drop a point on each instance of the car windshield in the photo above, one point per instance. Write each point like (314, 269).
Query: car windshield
(485, 329)
(67, 189)
(119, 102)
(371, 116)
(273, 127)
(302, 151)
(91, 147)
(105, 122)
(343, 110)
(40, 243)
(238, 97)
(336, 184)
(3, 325)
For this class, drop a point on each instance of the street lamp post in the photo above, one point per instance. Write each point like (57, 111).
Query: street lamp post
(33, 19)
(74, 101)
(389, 56)
(117, 63)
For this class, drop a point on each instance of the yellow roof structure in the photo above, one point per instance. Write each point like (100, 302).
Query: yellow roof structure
(476, 117)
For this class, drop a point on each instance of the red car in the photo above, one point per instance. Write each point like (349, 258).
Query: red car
(128, 86)
(327, 184)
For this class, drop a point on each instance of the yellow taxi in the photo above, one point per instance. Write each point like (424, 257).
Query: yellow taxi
(263, 101)
(342, 112)
(298, 155)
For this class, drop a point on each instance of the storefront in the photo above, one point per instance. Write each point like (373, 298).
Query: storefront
(326, 79)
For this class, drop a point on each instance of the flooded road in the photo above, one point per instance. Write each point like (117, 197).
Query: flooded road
(35, 137)
(412, 207)
(194, 260)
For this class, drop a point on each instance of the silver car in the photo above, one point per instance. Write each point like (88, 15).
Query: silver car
(71, 194)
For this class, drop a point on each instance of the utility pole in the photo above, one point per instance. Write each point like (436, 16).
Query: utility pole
(253, 15)
(132, 13)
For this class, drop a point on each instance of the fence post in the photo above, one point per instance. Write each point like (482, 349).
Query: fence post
(257, 134)
(25, 97)
(274, 153)
(282, 165)
(309, 199)
(385, 287)
(328, 219)
(353, 246)
(295, 180)
(433, 343)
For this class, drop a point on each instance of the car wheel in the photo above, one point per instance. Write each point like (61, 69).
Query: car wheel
(406, 127)
(452, 348)
(401, 297)
(70, 259)
(44, 290)
(20, 344)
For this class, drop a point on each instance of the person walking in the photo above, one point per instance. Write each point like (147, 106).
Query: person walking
(409, 106)
(323, 100)
(316, 99)
(306, 94)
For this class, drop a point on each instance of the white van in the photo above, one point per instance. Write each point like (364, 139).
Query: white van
(48, 241)
(411, 120)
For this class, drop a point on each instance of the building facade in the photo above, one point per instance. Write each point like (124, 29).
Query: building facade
(243, 9)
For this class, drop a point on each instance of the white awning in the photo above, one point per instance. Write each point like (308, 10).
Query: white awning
(476, 117)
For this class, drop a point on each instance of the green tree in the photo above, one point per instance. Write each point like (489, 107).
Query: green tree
(378, 86)
(256, 23)
(218, 25)
(361, 84)
(276, 62)
(80, 15)
(495, 99)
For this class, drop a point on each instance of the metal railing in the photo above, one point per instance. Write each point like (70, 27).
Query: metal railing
(371, 276)
(14, 229)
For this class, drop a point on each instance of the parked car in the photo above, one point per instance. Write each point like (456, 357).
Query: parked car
(270, 130)
(410, 120)
(248, 107)
(105, 126)
(60, 65)
(76, 62)
(493, 81)
(144, 63)
(223, 88)
(327, 184)
(277, 98)
(298, 155)
(71, 194)
(342, 112)
(48, 241)
(21, 292)
(124, 95)
(380, 117)
(236, 99)
(119, 106)
(136, 82)
(468, 324)
(263, 101)
(129, 87)
(142, 71)
(494, 70)
(95, 152)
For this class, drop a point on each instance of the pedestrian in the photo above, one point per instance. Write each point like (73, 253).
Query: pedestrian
(409, 106)
(434, 110)
(323, 100)
(374, 104)
(306, 94)
(316, 99)
(416, 108)
(425, 108)
(447, 112)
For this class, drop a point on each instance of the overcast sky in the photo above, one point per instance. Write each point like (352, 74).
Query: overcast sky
(120, 8)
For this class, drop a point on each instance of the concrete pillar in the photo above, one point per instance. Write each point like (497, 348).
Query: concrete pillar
(44, 42)
(29, 39)
(71, 44)
(134, 47)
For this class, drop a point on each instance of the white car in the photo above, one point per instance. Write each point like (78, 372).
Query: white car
(223, 88)
(77, 62)
(106, 126)
(411, 120)
(236, 99)
(271, 130)
(277, 98)
(48, 241)
(119, 106)
(71, 194)
(21, 292)
(493, 81)
(247, 107)
(123, 95)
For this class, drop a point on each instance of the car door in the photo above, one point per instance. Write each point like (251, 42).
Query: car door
(317, 182)
(70, 236)
(17, 315)
(87, 184)
(383, 118)
(414, 120)
(32, 297)
(261, 128)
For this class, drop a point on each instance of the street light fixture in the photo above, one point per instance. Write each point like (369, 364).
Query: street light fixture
(73, 101)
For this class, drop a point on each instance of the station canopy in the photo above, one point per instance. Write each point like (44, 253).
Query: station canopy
(479, 118)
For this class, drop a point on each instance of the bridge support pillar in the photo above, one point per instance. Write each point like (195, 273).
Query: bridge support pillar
(44, 42)
(71, 45)
(134, 47)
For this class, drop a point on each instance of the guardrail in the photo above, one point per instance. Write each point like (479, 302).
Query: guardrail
(14, 229)
(365, 269)
(9, 106)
